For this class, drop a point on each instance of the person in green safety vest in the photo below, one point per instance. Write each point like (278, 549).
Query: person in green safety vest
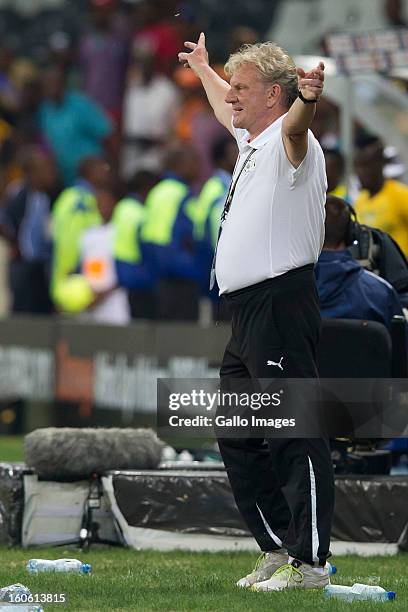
(167, 236)
(209, 207)
(93, 292)
(74, 211)
(133, 273)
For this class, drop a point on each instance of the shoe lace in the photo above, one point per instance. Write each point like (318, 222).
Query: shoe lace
(260, 560)
(290, 572)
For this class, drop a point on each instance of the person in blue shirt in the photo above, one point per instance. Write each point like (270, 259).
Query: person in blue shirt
(346, 290)
(132, 271)
(167, 236)
(24, 223)
(73, 125)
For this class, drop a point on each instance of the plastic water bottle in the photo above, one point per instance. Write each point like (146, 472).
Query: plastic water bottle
(9, 593)
(168, 454)
(185, 457)
(331, 568)
(34, 566)
(14, 594)
(358, 592)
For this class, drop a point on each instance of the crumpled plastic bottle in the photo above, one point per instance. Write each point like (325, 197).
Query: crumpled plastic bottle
(10, 593)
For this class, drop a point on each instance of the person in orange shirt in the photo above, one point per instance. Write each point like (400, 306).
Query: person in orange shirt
(382, 203)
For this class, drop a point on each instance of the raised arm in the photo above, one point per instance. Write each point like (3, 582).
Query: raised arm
(215, 87)
(300, 115)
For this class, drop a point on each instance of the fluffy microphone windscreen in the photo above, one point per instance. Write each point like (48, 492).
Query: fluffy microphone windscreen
(62, 453)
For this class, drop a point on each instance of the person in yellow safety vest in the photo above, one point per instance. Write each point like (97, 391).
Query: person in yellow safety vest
(167, 236)
(73, 212)
(93, 293)
(133, 273)
(74, 293)
(209, 207)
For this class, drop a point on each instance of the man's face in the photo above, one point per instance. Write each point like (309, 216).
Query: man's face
(100, 175)
(248, 96)
(54, 84)
(48, 174)
(43, 173)
(369, 166)
(334, 170)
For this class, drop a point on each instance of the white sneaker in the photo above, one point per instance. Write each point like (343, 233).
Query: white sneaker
(266, 564)
(290, 577)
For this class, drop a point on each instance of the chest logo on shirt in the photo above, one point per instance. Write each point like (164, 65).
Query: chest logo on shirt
(250, 165)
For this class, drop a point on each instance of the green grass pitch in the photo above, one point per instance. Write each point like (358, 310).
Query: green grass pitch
(181, 581)
(11, 448)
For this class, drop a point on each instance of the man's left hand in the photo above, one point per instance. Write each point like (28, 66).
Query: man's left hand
(310, 83)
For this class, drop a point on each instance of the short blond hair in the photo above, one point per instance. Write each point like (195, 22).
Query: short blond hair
(273, 64)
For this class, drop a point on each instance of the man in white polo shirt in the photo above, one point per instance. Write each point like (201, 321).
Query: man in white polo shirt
(272, 232)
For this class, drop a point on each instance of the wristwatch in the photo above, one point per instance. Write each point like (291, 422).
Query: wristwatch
(305, 100)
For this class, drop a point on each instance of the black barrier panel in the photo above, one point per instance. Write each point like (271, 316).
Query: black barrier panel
(368, 509)
(183, 502)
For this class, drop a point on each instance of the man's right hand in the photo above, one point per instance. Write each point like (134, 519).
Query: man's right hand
(197, 58)
(215, 87)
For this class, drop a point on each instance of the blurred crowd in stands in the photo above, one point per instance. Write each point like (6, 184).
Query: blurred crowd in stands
(113, 169)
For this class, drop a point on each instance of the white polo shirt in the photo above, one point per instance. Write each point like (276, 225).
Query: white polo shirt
(276, 219)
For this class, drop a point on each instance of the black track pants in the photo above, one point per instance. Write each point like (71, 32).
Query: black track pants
(284, 488)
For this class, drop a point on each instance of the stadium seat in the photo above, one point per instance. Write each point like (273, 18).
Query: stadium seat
(354, 349)
(361, 349)
(399, 364)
